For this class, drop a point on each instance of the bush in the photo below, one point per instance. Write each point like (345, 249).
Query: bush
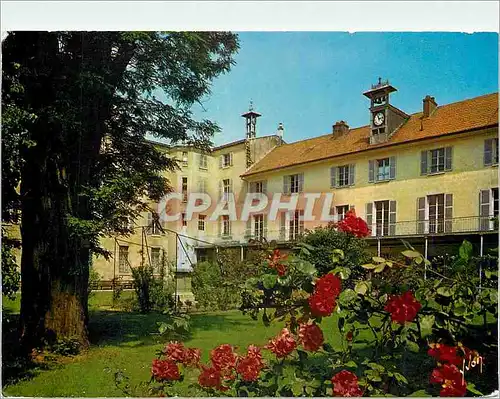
(217, 286)
(10, 270)
(152, 293)
(325, 240)
(94, 279)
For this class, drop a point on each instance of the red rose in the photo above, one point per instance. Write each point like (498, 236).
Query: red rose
(210, 377)
(345, 383)
(353, 225)
(174, 351)
(275, 262)
(445, 354)
(249, 368)
(223, 357)
(329, 284)
(349, 336)
(451, 380)
(254, 351)
(165, 370)
(283, 344)
(311, 337)
(320, 305)
(192, 356)
(402, 308)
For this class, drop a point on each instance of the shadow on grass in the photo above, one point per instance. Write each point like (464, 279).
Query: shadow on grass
(132, 329)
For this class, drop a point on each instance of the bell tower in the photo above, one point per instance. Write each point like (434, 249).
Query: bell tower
(384, 118)
(251, 132)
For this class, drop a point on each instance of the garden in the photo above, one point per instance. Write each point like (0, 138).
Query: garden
(321, 318)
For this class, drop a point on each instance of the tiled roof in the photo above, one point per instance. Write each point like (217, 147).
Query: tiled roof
(475, 113)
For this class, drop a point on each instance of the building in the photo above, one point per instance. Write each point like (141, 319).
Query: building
(429, 177)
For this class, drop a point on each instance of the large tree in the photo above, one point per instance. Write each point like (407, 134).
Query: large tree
(80, 105)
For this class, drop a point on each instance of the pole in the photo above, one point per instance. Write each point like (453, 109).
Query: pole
(378, 246)
(175, 274)
(241, 253)
(481, 262)
(425, 263)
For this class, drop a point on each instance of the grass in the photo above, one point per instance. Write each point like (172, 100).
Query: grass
(128, 341)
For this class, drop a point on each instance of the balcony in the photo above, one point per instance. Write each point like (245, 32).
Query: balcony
(463, 225)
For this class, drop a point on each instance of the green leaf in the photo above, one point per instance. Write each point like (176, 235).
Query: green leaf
(297, 388)
(369, 266)
(351, 363)
(389, 263)
(412, 346)
(465, 250)
(400, 378)
(472, 388)
(306, 268)
(343, 272)
(420, 394)
(376, 366)
(445, 291)
(411, 254)
(361, 288)
(347, 296)
(269, 280)
(373, 375)
(379, 268)
(426, 323)
(378, 259)
(459, 308)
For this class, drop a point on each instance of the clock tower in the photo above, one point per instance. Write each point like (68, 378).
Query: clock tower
(384, 118)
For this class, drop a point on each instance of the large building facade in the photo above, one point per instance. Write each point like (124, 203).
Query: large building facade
(429, 177)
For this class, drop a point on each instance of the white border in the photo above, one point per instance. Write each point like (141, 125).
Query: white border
(456, 16)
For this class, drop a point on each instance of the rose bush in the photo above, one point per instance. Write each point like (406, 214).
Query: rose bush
(442, 324)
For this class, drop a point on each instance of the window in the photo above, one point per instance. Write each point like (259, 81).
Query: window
(203, 161)
(123, 265)
(202, 186)
(184, 158)
(342, 176)
(258, 187)
(381, 169)
(382, 218)
(153, 228)
(183, 219)
(184, 189)
(155, 259)
(259, 232)
(226, 189)
(491, 152)
(436, 213)
(226, 160)
(341, 211)
(201, 222)
(436, 161)
(488, 209)
(293, 183)
(296, 226)
(225, 226)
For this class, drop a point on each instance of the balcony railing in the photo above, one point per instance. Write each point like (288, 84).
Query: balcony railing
(473, 224)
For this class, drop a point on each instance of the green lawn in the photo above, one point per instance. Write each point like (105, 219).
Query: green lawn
(128, 341)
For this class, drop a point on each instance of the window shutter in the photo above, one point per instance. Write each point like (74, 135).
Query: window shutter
(221, 161)
(371, 171)
(221, 221)
(484, 210)
(421, 215)
(149, 229)
(301, 222)
(448, 212)
(264, 187)
(423, 163)
(221, 189)
(352, 173)
(286, 184)
(265, 226)
(488, 152)
(248, 233)
(392, 218)
(392, 168)
(448, 158)
(301, 182)
(230, 185)
(251, 187)
(333, 177)
(230, 159)
(283, 226)
(369, 217)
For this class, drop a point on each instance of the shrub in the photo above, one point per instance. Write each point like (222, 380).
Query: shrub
(10, 270)
(152, 293)
(94, 278)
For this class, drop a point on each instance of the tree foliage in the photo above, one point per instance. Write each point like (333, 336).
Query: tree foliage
(79, 106)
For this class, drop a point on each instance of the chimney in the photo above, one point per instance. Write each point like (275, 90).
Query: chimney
(280, 132)
(429, 106)
(340, 128)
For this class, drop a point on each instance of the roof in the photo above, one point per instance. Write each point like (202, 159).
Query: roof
(476, 113)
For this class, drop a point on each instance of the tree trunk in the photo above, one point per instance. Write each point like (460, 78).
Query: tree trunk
(54, 266)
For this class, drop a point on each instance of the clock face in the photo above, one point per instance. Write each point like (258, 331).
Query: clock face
(378, 119)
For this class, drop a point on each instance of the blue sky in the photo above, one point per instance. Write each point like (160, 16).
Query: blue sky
(310, 80)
